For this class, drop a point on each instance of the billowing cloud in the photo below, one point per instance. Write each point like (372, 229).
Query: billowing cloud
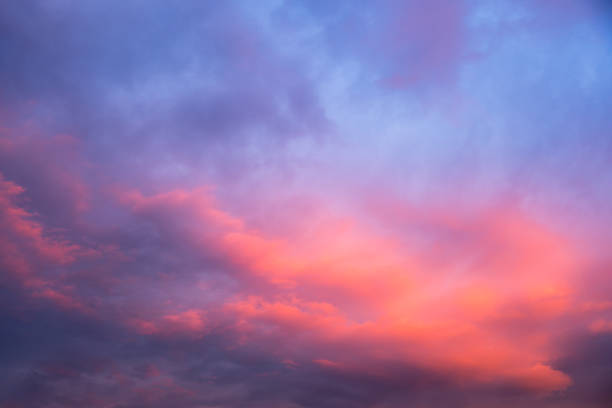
(305, 204)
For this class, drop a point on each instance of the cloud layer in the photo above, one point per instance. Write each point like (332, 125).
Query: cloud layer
(305, 204)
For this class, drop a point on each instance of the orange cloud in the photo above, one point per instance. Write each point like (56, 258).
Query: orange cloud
(467, 303)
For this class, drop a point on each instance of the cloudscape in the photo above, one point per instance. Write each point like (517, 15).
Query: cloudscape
(304, 203)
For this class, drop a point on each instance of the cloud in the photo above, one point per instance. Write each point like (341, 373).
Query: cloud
(518, 274)
(304, 204)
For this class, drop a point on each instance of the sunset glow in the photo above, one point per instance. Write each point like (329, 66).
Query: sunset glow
(306, 203)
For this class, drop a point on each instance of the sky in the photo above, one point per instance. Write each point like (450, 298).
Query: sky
(305, 203)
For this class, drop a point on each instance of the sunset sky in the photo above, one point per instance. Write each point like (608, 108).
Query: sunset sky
(306, 203)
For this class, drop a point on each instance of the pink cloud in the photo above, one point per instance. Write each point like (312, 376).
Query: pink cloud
(422, 310)
(28, 247)
(601, 326)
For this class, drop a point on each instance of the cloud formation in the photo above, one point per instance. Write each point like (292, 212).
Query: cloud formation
(305, 204)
